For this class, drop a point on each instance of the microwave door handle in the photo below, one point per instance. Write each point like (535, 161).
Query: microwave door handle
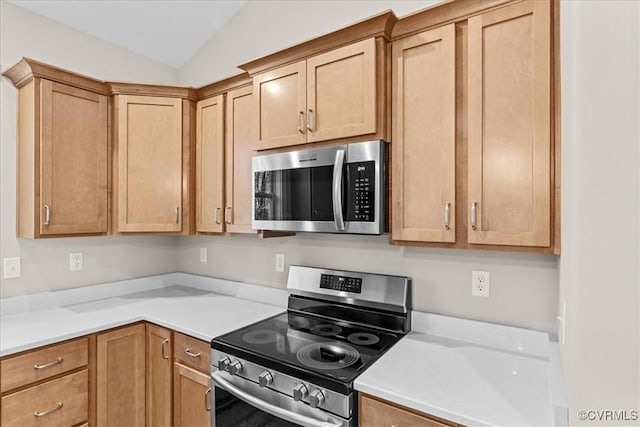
(267, 407)
(338, 165)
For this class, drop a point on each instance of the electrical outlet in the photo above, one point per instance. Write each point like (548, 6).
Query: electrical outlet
(203, 254)
(75, 261)
(11, 268)
(480, 283)
(562, 319)
(280, 263)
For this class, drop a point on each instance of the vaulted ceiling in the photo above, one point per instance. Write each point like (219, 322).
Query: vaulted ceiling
(169, 31)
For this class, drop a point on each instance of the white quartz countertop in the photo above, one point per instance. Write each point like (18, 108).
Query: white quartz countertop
(200, 313)
(471, 373)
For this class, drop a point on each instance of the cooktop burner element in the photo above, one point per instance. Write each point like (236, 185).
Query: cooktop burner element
(294, 322)
(260, 336)
(326, 330)
(328, 355)
(363, 338)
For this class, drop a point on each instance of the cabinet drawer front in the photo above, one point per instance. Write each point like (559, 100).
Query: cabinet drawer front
(41, 364)
(374, 413)
(61, 402)
(192, 352)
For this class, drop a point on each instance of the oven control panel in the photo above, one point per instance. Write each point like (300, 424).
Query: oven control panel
(341, 283)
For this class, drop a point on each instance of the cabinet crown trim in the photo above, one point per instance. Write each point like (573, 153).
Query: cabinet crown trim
(379, 25)
(224, 85)
(442, 13)
(27, 69)
(170, 91)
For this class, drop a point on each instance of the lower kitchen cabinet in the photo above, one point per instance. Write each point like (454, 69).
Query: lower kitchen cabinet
(191, 397)
(159, 371)
(120, 377)
(374, 412)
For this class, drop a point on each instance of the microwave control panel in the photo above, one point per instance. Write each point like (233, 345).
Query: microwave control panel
(361, 193)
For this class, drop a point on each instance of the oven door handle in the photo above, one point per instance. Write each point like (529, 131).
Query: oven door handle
(338, 165)
(276, 411)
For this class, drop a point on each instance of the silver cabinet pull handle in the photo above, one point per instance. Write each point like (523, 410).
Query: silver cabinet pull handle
(207, 401)
(473, 215)
(177, 215)
(446, 215)
(47, 365)
(309, 113)
(227, 215)
(47, 215)
(48, 411)
(165, 355)
(217, 216)
(300, 118)
(190, 353)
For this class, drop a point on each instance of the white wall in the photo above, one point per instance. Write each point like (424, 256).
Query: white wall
(524, 287)
(599, 266)
(45, 262)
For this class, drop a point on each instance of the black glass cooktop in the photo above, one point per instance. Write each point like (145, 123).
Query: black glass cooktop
(333, 349)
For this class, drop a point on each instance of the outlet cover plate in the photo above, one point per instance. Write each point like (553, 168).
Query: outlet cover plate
(280, 263)
(203, 254)
(11, 268)
(75, 261)
(481, 283)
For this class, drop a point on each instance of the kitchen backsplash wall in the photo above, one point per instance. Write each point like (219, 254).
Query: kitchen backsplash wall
(45, 263)
(524, 287)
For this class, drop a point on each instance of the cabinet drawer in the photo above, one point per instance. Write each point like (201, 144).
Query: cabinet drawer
(41, 364)
(375, 413)
(61, 402)
(192, 352)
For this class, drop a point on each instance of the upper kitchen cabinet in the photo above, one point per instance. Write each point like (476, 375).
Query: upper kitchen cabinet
(226, 141)
(329, 88)
(153, 152)
(62, 152)
(424, 136)
(510, 129)
(474, 126)
(210, 165)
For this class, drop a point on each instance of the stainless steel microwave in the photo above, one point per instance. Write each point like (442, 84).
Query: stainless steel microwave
(334, 189)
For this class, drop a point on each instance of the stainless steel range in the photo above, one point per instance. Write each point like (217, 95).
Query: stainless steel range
(298, 368)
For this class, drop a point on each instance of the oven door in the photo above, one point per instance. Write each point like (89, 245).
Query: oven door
(238, 402)
(336, 189)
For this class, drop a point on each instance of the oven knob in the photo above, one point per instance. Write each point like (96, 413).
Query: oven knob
(223, 363)
(299, 392)
(316, 398)
(235, 368)
(265, 378)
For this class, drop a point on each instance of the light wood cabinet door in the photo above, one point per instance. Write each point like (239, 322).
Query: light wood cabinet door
(149, 155)
(509, 152)
(341, 92)
(120, 377)
(424, 137)
(159, 374)
(73, 149)
(240, 144)
(192, 398)
(376, 413)
(210, 165)
(280, 101)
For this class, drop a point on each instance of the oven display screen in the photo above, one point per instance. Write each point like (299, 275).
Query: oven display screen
(341, 283)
